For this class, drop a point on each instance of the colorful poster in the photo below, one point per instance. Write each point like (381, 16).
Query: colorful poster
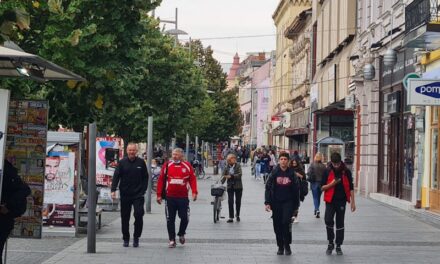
(109, 150)
(26, 150)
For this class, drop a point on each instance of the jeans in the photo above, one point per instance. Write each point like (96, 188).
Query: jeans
(316, 191)
(257, 170)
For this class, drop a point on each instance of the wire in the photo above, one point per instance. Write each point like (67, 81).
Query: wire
(272, 34)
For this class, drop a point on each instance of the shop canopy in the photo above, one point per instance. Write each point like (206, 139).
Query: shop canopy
(16, 63)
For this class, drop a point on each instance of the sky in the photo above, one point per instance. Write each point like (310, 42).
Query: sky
(203, 19)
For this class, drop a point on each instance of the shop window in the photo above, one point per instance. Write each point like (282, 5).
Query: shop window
(434, 163)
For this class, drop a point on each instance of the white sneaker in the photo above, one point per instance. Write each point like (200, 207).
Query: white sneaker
(295, 220)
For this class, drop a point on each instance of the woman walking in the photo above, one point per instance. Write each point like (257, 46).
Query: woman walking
(297, 167)
(282, 198)
(273, 161)
(232, 174)
(315, 173)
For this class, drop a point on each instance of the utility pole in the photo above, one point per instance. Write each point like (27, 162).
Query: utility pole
(149, 160)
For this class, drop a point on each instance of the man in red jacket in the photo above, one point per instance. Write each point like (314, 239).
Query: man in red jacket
(173, 184)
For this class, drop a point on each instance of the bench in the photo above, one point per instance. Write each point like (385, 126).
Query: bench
(82, 213)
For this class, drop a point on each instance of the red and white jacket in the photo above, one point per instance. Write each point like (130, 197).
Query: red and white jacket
(179, 179)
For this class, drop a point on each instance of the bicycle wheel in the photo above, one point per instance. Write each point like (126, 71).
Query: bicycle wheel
(215, 209)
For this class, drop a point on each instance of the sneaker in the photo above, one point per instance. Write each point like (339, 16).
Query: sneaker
(182, 239)
(172, 244)
(238, 218)
(287, 250)
(230, 220)
(295, 220)
(280, 251)
(126, 242)
(136, 242)
(330, 248)
(317, 214)
(339, 250)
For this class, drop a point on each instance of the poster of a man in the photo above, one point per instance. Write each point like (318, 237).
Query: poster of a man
(59, 175)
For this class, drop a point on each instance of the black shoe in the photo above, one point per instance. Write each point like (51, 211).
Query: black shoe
(136, 242)
(287, 250)
(330, 248)
(238, 218)
(339, 250)
(280, 251)
(126, 242)
(230, 220)
(317, 214)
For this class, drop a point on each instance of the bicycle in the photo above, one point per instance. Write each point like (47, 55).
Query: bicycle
(217, 190)
(198, 169)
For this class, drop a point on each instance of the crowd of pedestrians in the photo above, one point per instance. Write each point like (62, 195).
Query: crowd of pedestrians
(286, 186)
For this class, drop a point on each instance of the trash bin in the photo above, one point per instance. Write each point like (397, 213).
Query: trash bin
(216, 167)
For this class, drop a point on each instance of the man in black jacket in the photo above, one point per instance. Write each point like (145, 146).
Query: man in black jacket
(282, 198)
(13, 202)
(132, 177)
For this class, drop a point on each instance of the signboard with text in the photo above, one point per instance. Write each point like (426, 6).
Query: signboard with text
(423, 92)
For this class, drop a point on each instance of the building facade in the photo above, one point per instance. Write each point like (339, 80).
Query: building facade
(334, 24)
(282, 82)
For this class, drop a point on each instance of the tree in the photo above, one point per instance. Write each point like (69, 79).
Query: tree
(226, 118)
(132, 70)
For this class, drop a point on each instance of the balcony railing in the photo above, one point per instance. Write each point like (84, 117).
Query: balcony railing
(421, 12)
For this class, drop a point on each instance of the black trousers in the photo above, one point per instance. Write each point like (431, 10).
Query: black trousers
(282, 213)
(4, 234)
(238, 193)
(173, 207)
(138, 207)
(335, 208)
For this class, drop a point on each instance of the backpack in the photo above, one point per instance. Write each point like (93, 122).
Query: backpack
(15, 191)
(303, 189)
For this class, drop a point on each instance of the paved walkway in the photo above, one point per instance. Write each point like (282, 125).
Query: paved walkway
(374, 234)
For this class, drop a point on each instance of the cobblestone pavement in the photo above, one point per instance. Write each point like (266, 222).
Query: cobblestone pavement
(374, 234)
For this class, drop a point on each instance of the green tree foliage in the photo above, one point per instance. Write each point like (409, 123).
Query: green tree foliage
(132, 70)
(225, 119)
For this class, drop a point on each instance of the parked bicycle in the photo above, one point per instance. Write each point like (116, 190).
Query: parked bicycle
(199, 170)
(217, 191)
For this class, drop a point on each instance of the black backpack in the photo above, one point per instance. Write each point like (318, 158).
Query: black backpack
(14, 191)
(303, 189)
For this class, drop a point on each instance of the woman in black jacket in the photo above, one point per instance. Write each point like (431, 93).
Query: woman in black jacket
(232, 174)
(298, 168)
(282, 198)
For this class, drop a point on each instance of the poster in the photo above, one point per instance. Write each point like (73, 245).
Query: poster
(109, 150)
(60, 181)
(26, 150)
(59, 178)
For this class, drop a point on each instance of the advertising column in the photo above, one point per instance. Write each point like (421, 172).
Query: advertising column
(26, 150)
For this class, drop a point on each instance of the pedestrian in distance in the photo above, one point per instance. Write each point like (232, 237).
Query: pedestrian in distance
(13, 202)
(314, 176)
(175, 179)
(337, 184)
(265, 165)
(273, 160)
(232, 175)
(297, 167)
(131, 175)
(282, 198)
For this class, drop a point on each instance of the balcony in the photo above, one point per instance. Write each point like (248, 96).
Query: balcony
(422, 25)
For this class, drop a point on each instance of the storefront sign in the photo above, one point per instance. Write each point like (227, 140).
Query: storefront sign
(423, 92)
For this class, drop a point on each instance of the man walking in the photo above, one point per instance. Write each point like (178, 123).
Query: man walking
(282, 198)
(337, 183)
(174, 180)
(132, 176)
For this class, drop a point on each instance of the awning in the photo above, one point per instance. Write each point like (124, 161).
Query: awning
(296, 131)
(15, 63)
